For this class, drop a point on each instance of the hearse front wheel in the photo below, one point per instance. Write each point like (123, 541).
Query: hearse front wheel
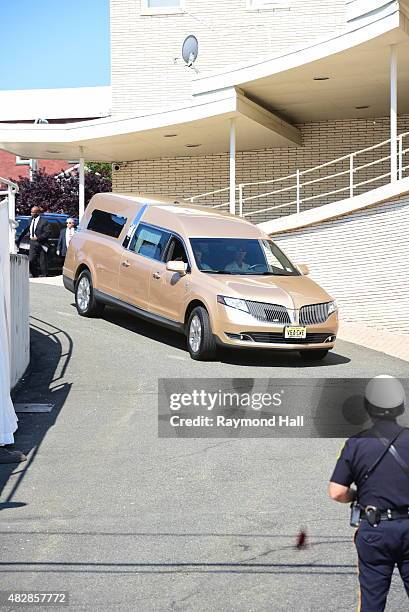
(200, 340)
(87, 305)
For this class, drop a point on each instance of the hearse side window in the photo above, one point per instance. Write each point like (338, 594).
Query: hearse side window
(176, 251)
(149, 241)
(106, 223)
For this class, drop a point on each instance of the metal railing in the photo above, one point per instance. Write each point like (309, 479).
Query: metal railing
(10, 196)
(353, 173)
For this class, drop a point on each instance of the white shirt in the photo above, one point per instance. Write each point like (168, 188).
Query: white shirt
(33, 226)
(69, 233)
(234, 267)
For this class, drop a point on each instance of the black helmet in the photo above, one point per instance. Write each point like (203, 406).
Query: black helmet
(384, 397)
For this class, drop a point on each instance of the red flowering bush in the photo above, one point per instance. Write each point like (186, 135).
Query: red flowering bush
(59, 193)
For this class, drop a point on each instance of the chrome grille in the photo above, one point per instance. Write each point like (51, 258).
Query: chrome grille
(313, 314)
(278, 338)
(273, 313)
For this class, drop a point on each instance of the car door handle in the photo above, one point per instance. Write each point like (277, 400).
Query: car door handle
(126, 264)
(156, 275)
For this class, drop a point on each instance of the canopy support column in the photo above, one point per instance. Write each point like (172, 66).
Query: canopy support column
(232, 208)
(81, 188)
(394, 112)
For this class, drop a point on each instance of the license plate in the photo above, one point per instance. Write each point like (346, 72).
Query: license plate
(295, 332)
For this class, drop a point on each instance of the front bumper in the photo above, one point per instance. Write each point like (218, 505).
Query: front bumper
(232, 327)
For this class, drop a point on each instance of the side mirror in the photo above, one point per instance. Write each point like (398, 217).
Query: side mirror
(304, 269)
(177, 266)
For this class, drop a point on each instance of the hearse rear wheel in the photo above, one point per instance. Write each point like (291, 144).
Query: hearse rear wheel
(87, 305)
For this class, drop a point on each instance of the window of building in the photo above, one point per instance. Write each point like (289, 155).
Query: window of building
(149, 242)
(155, 7)
(106, 223)
(263, 5)
(22, 161)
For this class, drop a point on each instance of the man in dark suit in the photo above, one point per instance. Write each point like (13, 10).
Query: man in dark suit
(65, 238)
(39, 232)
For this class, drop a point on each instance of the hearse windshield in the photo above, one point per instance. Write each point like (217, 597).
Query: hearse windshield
(241, 256)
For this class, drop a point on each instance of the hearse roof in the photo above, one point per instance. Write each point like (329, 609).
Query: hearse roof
(176, 215)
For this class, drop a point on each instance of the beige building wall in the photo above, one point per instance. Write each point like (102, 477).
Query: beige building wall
(144, 75)
(322, 142)
(361, 259)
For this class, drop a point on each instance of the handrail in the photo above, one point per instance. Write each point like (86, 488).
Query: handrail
(324, 165)
(298, 185)
(202, 195)
(4, 181)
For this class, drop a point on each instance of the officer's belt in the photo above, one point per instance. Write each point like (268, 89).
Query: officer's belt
(390, 514)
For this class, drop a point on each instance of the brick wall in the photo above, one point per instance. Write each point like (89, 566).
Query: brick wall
(360, 260)
(322, 142)
(144, 76)
(9, 169)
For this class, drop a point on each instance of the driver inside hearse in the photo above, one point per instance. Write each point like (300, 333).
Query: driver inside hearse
(238, 264)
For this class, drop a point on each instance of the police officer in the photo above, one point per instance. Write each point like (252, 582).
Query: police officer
(377, 461)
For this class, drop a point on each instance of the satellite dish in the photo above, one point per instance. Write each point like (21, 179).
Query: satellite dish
(190, 50)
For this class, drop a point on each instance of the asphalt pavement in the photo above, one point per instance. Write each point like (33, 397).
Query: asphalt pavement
(123, 520)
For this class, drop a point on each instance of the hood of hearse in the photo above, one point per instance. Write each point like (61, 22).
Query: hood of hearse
(289, 291)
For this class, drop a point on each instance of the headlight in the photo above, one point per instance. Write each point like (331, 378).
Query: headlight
(233, 302)
(332, 307)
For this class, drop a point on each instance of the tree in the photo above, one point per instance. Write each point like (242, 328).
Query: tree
(59, 193)
(103, 168)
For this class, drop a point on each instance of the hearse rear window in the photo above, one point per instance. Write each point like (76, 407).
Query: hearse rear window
(106, 223)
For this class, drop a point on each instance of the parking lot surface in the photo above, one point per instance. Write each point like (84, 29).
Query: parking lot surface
(123, 520)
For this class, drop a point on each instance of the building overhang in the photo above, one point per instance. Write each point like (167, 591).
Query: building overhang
(55, 104)
(356, 63)
(200, 129)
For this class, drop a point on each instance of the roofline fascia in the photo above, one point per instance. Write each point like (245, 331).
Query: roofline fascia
(229, 102)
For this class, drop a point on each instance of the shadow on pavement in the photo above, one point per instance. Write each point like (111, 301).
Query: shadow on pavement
(51, 350)
(277, 358)
(260, 357)
(137, 325)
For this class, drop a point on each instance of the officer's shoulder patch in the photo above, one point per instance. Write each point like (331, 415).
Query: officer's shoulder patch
(341, 450)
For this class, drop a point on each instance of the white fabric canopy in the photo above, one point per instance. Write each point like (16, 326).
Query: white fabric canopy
(8, 419)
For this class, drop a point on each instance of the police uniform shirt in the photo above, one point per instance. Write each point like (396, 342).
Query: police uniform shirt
(386, 487)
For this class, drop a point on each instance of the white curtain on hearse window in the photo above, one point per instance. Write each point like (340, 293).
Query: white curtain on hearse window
(8, 419)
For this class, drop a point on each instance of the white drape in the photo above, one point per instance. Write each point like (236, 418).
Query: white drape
(8, 419)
